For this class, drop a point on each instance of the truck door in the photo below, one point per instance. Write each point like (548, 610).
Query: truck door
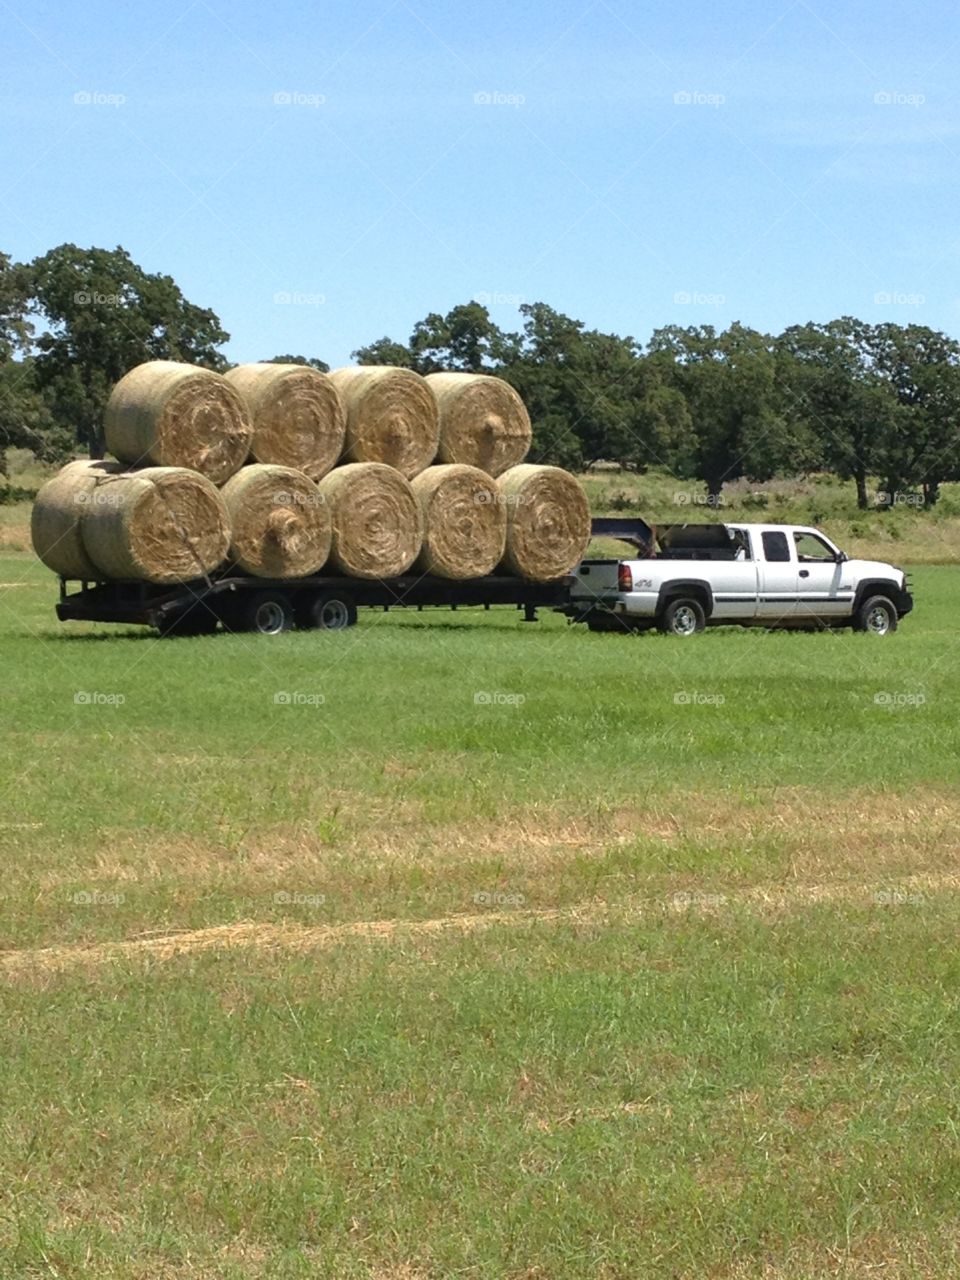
(820, 578)
(735, 581)
(778, 575)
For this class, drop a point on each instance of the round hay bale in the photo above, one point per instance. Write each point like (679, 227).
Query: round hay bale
(375, 518)
(161, 524)
(177, 415)
(298, 420)
(280, 524)
(483, 422)
(548, 521)
(464, 521)
(55, 518)
(391, 417)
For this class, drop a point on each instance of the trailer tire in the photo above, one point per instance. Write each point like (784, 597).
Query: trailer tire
(330, 611)
(877, 616)
(682, 616)
(267, 613)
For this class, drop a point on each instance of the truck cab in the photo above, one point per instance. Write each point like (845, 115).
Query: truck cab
(689, 576)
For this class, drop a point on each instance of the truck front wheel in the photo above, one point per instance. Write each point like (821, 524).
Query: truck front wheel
(876, 615)
(683, 616)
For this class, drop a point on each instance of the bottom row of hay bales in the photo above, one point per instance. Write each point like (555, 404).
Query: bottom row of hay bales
(95, 520)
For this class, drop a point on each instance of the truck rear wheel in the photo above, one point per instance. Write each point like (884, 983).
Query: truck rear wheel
(683, 616)
(876, 615)
(330, 611)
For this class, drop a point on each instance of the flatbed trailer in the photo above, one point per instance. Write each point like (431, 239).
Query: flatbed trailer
(330, 602)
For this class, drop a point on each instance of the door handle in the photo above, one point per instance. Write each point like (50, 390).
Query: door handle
(804, 573)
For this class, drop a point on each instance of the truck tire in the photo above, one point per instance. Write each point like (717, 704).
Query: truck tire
(877, 615)
(329, 611)
(268, 613)
(682, 616)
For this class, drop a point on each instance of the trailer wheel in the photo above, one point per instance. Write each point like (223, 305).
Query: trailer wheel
(682, 616)
(877, 616)
(329, 612)
(267, 612)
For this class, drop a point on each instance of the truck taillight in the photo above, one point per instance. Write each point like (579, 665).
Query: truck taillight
(624, 578)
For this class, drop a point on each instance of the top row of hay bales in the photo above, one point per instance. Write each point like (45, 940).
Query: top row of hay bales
(165, 414)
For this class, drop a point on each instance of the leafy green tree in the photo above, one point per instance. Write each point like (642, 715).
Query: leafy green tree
(921, 368)
(729, 382)
(101, 314)
(311, 361)
(839, 397)
(384, 351)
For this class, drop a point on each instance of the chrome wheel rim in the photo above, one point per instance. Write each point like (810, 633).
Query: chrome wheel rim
(684, 621)
(270, 618)
(333, 615)
(878, 620)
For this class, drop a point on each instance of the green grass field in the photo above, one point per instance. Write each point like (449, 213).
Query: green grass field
(456, 946)
(491, 950)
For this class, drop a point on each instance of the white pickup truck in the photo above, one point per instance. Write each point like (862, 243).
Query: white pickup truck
(690, 576)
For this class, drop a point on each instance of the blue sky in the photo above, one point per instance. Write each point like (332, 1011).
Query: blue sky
(324, 175)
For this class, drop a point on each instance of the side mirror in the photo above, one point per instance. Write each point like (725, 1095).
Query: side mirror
(842, 557)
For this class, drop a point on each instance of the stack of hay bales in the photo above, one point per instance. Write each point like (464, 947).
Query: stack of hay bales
(279, 471)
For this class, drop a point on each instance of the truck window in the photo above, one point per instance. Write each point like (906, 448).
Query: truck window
(740, 544)
(810, 548)
(775, 546)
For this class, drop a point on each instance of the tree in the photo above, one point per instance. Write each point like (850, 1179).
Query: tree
(25, 419)
(840, 397)
(311, 361)
(384, 351)
(921, 368)
(729, 382)
(593, 396)
(103, 314)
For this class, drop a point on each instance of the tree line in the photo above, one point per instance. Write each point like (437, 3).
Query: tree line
(855, 399)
